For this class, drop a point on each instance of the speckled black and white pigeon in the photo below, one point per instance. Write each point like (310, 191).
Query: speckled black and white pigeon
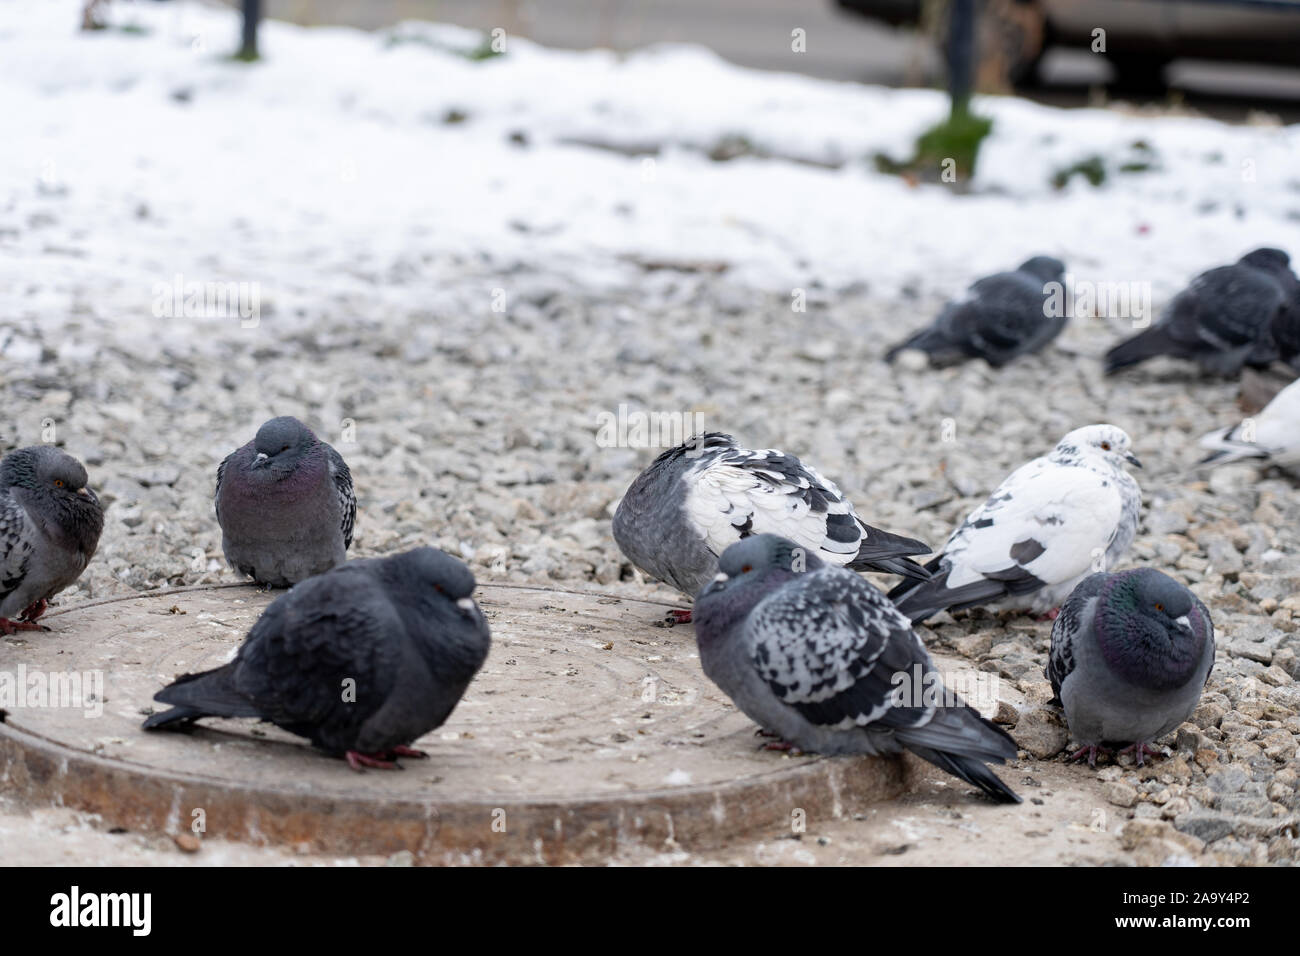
(696, 499)
(1270, 438)
(361, 660)
(285, 505)
(1131, 652)
(1227, 317)
(1050, 524)
(1000, 317)
(50, 523)
(818, 657)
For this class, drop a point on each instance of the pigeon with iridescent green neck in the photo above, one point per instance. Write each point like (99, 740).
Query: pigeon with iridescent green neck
(1131, 652)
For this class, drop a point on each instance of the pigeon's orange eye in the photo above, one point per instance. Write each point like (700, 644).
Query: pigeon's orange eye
(746, 569)
(1105, 446)
(1160, 607)
(58, 482)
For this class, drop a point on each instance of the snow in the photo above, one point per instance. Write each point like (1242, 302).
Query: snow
(327, 170)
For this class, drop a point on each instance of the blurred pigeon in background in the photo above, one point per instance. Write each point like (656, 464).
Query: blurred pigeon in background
(50, 523)
(1000, 317)
(1052, 522)
(285, 505)
(696, 499)
(361, 660)
(1131, 652)
(1270, 438)
(817, 656)
(1226, 318)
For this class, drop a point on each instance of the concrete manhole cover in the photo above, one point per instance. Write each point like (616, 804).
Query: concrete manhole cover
(588, 729)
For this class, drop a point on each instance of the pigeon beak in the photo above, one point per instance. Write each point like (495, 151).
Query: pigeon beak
(85, 493)
(261, 459)
(716, 584)
(465, 604)
(1132, 459)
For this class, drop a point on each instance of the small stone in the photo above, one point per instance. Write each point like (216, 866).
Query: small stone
(1204, 826)
(1120, 794)
(187, 842)
(1041, 732)
(1227, 780)
(1006, 714)
(401, 858)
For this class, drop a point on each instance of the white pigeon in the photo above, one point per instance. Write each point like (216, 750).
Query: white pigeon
(1272, 437)
(1049, 525)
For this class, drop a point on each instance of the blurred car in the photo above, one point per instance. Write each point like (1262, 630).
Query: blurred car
(1141, 36)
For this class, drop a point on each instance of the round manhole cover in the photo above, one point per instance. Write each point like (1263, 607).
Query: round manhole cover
(588, 729)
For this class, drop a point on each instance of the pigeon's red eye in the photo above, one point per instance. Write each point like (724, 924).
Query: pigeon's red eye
(1105, 446)
(58, 482)
(1160, 607)
(746, 569)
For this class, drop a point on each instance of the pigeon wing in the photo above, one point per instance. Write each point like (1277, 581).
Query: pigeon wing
(343, 488)
(740, 492)
(16, 545)
(829, 645)
(325, 655)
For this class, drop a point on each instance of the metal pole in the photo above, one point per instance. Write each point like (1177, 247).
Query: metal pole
(252, 15)
(961, 53)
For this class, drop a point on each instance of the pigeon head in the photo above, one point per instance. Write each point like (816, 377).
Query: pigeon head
(433, 581)
(1044, 267)
(281, 444)
(1267, 259)
(1151, 629)
(1106, 442)
(748, 571)
(54, 483)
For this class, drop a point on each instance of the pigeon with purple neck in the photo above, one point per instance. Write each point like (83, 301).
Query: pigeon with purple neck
(285, 505)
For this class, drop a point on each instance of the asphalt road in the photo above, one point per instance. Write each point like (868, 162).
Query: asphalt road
(757, 33)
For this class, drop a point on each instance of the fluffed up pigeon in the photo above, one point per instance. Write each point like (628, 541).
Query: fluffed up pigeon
(1000, 317)
(361, 660)
(50, 523)
(1052, 522)
(285, 505)
(1131, 652)
(817, 656)
(1270, 438)
(1227, 317)
(696, 499)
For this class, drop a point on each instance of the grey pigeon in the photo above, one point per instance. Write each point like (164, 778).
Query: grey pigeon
(696, 499)
(1001, 317)
(285, 505)
(1131, 652)
(818, 657)
(50, 523)
(1052, 522)
(361, 660)
(1226, 318)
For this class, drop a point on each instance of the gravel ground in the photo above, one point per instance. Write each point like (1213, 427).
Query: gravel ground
(476, 431)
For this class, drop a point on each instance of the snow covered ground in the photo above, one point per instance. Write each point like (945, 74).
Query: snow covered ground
(390, 167)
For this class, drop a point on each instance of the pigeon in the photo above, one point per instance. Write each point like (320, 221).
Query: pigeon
(1228, 317)
(285, 505)
(818, 657)
(1000, 317)
(50, 523)
(707, 493)
(1272, 437)
(1052, 522)
(360, 660)
(1131, 653)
